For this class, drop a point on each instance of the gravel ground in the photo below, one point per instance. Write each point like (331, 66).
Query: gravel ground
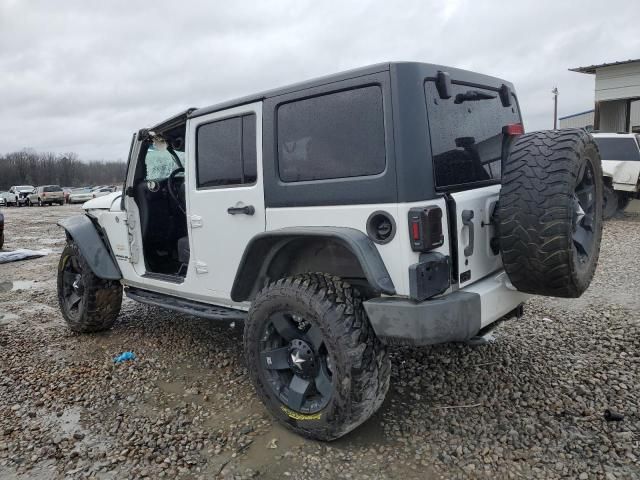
(529, 405)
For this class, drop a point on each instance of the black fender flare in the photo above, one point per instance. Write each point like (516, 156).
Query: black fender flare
(85, 234)
(263, 247)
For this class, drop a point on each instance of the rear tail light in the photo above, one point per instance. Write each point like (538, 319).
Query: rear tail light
(425, 228)
(513, 129)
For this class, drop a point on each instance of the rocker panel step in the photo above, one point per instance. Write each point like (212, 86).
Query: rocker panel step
(182, 305)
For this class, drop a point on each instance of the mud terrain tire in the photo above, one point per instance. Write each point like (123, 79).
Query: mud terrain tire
(359, 364)
(88, 303)
(550, 212)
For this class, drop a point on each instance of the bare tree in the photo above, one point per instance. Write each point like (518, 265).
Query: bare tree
(28, 167)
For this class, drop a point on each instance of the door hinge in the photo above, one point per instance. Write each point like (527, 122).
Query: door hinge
(196, 221)
(201, 267)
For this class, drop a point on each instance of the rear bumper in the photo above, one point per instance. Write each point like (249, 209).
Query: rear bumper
(457, 316)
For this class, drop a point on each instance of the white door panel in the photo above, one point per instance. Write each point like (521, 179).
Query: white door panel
(473, 217)
(218, 236)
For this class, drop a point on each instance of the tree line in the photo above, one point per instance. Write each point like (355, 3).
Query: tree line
(28, 167)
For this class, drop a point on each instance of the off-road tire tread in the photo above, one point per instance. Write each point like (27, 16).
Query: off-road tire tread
(103, 298)
(536, 211)
(370, 364)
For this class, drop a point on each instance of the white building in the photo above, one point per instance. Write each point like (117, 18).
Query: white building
(616, 98)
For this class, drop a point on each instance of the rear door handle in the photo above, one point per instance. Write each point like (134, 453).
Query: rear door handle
(248, 210)
(467, 220)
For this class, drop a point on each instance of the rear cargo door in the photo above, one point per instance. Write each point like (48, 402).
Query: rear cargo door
(468, 126)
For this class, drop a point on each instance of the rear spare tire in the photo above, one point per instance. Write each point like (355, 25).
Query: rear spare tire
(550, 212)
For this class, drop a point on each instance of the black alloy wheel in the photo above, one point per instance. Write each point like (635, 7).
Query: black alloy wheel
(584, 210)
(296, 362)
(72, 291)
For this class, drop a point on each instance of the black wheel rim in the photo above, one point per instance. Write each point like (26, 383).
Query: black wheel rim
(72, 285)
(296, 363)
(584, 200)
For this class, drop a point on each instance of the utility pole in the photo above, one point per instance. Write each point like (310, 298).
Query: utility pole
(555, 107)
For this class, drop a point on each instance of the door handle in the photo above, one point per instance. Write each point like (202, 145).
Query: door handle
(248, 210)
(467, 216)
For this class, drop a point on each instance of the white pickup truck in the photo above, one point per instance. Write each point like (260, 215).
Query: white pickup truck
(620, 153)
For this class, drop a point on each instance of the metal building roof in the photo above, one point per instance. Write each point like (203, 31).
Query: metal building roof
(592, 68)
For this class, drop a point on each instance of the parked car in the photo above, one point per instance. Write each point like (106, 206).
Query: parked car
(7, 199)
(21, 194)
(46, 195)
(80, 195)
(335, 221)
(102, 191)
(620, 154)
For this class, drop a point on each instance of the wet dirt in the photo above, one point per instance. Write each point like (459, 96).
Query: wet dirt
(185, 407)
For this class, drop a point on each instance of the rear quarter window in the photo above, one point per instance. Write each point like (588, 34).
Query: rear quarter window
(466, 135)
(336, 135)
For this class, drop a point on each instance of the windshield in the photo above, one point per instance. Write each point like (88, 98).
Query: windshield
(24, 187)
(52, 188)
(622, 149)
(159, 163)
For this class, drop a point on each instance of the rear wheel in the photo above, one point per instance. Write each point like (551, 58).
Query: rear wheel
(313, 357)
(88, 303)
(550, 212)
(609, 202)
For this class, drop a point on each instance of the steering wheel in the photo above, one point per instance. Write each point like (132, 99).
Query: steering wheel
(175, 196)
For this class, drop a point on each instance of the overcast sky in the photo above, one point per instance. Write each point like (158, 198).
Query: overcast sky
(82, 76)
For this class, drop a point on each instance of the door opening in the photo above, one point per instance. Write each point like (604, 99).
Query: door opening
(158, 189)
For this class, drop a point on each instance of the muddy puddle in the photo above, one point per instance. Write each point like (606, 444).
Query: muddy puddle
(15, 285)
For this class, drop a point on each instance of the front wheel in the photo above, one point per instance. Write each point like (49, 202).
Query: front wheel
(313, 357)
(88, 303)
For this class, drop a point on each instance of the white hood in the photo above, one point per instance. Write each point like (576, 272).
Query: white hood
(104, 202)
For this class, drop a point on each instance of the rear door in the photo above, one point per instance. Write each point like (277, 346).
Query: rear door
(468, 140)
(225, 194)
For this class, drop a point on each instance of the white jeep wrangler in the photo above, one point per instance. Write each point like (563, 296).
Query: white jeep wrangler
(394, 204)
(620, 153)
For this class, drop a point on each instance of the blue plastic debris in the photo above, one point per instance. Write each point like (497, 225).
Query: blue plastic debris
(125, 357)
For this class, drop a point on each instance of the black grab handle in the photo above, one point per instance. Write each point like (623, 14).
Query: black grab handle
(467, 216)
(248, 210)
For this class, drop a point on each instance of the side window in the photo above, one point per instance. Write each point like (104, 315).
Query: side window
(226, 152)
(332, 136)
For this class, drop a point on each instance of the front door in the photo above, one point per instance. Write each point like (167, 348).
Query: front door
(225, 194)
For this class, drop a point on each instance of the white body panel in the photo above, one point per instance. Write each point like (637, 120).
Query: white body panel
(482, 261)
(104, 201)
(497, 296)
(397, 254)
(624, 175)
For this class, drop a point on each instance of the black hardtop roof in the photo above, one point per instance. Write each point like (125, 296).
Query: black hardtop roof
(397, 68)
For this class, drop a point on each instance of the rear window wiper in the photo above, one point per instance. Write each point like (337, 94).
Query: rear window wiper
(473, 96)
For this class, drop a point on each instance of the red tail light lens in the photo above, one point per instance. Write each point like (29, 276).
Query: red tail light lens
(425, 228)
(513, 129)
